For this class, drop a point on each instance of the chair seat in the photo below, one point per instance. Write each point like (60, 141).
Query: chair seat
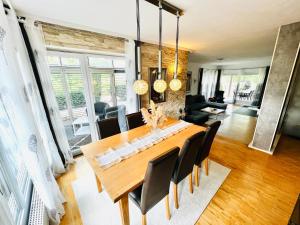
(136, 195)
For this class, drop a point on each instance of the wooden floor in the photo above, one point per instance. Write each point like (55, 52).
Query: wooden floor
(260, 189)
(238, 127)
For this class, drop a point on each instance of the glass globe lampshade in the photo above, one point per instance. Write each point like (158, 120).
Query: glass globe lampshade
(160, 85)
(175, 84)
(140, 87)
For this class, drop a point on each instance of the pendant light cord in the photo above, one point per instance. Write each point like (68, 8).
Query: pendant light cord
(138, 21)
(176, 51)
(160, 41)
(138, 27)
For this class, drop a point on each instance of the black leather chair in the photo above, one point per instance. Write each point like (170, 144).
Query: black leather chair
(108, 127)
(204, 149)
(134, 120)
(185, 162)
(156, 183)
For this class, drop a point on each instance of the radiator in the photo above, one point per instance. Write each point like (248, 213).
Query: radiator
(38, 214)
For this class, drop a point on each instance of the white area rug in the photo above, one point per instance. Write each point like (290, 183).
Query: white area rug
(98, 209)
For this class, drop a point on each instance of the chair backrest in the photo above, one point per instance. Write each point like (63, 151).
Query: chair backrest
(100, 107)
(187, 157)
(207, 141)
(157, 179)
(108, 127)
(134, 120)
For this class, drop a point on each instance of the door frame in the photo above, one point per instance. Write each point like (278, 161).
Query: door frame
(86, 72)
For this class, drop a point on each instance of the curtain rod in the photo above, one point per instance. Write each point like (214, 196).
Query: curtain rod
(234, 69)
(167, 7)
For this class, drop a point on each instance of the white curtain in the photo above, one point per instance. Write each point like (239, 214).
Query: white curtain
(20, 97)
(209, 81)
(130, 74)
(35, 35)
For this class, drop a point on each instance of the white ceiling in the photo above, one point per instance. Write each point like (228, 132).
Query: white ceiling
(230, 29)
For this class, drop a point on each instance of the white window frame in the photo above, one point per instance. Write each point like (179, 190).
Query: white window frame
(86, 71)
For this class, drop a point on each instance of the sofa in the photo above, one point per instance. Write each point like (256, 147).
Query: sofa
(193, 106)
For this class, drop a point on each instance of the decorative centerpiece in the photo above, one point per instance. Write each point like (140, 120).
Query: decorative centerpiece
(155, 117)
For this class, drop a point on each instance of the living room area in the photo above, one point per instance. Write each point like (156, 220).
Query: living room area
(227, 90)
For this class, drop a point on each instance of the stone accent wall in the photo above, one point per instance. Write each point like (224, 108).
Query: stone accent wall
(274, 96)
(174, 100)
(61, 36)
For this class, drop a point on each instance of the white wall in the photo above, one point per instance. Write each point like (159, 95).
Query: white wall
(225, 64)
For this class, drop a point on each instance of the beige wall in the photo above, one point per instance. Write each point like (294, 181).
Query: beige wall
(60, 36)
(174, 100)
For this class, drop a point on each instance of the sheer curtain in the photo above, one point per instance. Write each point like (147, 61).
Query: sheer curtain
(21, 100)
(35, 35)
(209, 81)
(130, 74)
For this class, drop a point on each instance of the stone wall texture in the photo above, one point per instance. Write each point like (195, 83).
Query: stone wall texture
(61, 36)
(174, 100)
(277, 84)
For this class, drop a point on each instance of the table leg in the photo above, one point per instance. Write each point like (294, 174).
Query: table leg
(99, 186)
(124, 210)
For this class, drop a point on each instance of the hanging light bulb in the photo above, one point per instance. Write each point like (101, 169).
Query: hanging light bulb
(175, 83)
(140, 86)
(160, 85)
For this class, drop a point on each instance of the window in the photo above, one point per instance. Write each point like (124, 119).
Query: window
(15, 183)
(70, 77)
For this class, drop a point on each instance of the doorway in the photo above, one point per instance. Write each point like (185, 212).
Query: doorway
(86, 88)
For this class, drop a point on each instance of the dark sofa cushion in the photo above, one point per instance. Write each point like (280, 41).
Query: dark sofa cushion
(199, 98)
(217, 105)
(198, 106)
(196, 117)
(190, 99)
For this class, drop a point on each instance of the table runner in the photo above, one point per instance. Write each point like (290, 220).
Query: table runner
(115, 155)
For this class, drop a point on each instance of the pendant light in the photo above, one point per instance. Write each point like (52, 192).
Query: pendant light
(175, 83)
(140, 86)
(160, 85)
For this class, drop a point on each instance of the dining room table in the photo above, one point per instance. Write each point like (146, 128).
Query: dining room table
(123, 177)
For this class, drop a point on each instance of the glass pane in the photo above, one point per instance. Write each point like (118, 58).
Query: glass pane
(102, 88)
(53, 61)
(119, 63)
(70, 62)
(59, 90)
(120, 85)
(75, 84)
(14, 179)
(100, 62)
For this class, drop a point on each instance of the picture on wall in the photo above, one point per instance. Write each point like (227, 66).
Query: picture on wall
(153, 75)
(189, 81)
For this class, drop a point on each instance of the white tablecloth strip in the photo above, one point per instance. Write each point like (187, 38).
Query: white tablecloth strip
(115, 155)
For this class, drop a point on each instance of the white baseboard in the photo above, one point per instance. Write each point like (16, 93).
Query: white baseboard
(259, 149)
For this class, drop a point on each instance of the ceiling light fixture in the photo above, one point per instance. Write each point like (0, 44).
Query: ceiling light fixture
(175, 83)
(140, 86)
(160, 85)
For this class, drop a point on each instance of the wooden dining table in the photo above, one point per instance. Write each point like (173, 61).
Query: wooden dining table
(123, 177)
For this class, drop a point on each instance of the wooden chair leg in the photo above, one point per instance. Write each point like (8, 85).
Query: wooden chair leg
(206, 166)
(196, 173)
(191, 183)
(176, 196)
(144, 220)
(168, 214)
